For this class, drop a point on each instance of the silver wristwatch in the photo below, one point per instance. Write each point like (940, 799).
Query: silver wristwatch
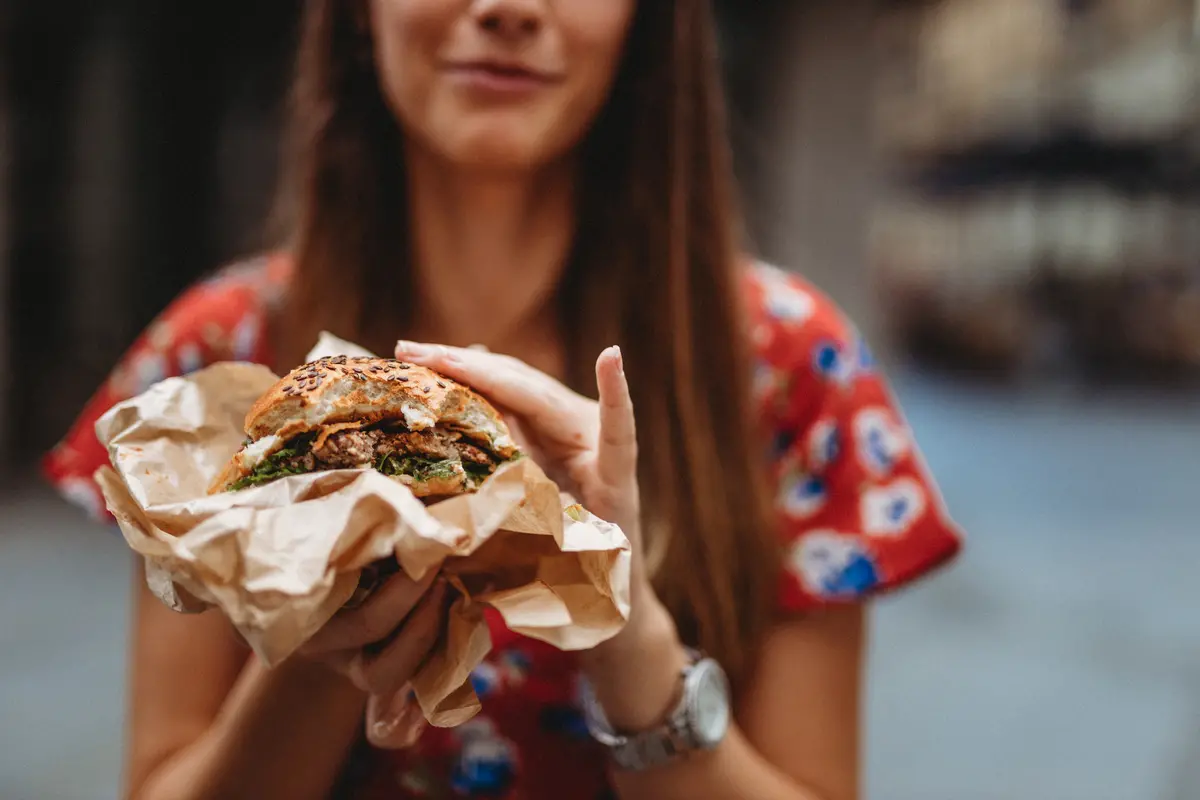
(698, 722)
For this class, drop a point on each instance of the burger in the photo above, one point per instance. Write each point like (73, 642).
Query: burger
(437, 437)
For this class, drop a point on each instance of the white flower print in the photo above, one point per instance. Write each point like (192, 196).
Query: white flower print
(761, 336)
(246, 336)
(834, 362)
(830, 564)
(881, 439)
(786, 302)
(764, 382)
(84, 494)
(190, 358)
(149, 368)
(161, 335)
(801, 495)
(890, 510)
(824, 444)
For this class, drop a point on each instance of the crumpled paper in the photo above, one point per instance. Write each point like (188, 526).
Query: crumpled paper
(280, 559)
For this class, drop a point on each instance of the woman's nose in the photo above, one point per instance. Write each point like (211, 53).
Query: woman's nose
(510, 19)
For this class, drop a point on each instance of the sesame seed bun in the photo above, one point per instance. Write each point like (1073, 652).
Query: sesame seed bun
(343, 392)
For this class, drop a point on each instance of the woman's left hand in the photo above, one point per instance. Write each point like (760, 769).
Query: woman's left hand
(588, 447)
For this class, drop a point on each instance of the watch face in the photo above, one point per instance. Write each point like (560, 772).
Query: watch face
(710, 705)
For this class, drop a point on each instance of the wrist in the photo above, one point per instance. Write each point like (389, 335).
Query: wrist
(635, 675)
(650, 632)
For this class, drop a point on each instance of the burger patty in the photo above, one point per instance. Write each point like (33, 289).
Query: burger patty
(411, 455)
(355, 448)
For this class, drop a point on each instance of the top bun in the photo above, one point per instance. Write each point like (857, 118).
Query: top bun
(367, 390)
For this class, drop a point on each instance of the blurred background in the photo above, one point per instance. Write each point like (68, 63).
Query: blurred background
(1004, 193)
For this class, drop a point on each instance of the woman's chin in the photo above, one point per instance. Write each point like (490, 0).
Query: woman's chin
(497, 157)
(496, 149)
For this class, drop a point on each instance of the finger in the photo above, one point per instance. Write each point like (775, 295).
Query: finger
(396, 722)
(551, 408)
(339, 660)
(386, 672)
(616, 451)
(382, 612)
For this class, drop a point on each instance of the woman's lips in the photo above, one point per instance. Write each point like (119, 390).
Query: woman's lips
(498, 78)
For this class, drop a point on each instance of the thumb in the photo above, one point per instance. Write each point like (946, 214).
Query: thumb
(616, 450)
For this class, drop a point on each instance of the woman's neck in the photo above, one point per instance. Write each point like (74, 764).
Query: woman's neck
(489, 253)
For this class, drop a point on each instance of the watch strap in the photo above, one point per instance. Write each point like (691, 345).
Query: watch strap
(648, 749)
(652, 748)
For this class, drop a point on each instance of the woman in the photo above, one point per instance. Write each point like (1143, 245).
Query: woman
(546, 178)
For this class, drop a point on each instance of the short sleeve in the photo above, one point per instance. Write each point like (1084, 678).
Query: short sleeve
(222, 318)
(858, 509)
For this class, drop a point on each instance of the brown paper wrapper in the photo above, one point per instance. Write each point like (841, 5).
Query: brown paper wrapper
(280, 559)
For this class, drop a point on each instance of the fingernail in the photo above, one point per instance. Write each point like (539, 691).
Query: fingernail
(382, 728)
(412, 349)
(616, 348)
(395, 722)
(355, 672)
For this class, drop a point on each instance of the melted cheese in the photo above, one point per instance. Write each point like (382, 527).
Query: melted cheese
(255, 452)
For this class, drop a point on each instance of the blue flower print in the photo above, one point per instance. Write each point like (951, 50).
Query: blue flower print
(190, 358)
(484, 679)
(833, 565)
(781, 445)
(832, 363)
(149, 369)
(824, 445)
(245, 337)
(802, 495)
(515, 664)
(890, 510)
(881, 439)
(565, 720)
(486, 763)
(516, 660)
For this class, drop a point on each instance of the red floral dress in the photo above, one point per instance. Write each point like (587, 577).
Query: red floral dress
(859, 513)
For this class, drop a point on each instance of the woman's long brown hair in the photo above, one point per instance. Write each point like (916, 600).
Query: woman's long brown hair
(654, 269)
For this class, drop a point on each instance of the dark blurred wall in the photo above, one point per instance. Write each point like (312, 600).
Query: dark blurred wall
(123, 116)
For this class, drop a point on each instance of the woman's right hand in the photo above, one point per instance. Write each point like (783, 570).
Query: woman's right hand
(380, 645)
